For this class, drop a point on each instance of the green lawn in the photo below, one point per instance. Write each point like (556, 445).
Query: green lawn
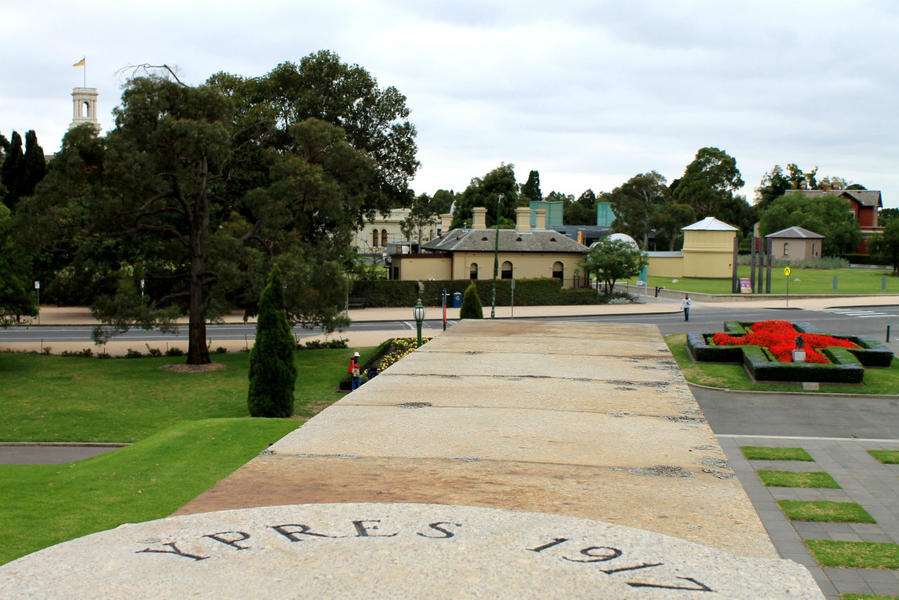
(802, 281)
(856, 555)
(57, 398)
(732, 376)
(190, 429)
(802, 479)
(867, 597)
(825, 510)
(47, 504)
(887, 457)
(775, 453)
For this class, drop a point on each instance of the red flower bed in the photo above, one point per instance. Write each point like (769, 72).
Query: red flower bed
(780, 338)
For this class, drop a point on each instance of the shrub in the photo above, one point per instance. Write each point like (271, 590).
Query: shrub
(471, 304)
(153, 351)
(272, 371)
(323, 345)
(133, 354)
(174, 352)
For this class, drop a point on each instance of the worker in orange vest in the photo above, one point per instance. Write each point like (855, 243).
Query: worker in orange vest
(354, 370)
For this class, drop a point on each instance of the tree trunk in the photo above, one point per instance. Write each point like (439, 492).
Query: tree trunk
(197, 350)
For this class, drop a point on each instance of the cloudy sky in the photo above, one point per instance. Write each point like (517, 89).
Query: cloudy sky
(587, 93)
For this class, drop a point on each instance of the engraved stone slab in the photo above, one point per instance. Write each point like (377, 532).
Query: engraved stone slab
(392, 551)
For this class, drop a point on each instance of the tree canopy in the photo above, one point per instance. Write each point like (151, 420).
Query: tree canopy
(708, 185)
(829, 215)
(777, 181)
(581, 211)
(637, 203)
(611, 260)
(197, 191)
(483, 191)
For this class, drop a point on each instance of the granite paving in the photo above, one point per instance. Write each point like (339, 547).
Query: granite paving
(863, 480)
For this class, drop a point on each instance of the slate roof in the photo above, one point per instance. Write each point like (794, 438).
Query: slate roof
(709, 224)
(484, 240)
(795, 233)
(863, 197)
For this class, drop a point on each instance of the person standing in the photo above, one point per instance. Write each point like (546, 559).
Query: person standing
(354, 370)
(685, 304)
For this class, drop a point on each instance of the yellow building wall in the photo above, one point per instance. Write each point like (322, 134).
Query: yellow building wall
(708, 254)
(529, 265)
(422, 269)
(666, 266)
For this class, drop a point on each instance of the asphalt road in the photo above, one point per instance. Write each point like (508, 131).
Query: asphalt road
(801, 415)
(869, 321)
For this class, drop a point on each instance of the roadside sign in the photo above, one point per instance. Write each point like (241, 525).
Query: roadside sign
(787, 271)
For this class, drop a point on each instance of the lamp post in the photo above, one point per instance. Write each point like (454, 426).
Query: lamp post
(499, 197)
(419, 314)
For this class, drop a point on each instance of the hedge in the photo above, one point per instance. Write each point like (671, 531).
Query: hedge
(528, 292)
(702, 351)
(845, 367)
(847, 364)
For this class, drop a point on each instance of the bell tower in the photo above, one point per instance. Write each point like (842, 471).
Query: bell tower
(84, 107)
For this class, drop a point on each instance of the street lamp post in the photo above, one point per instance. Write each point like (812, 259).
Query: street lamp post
(499, 197)
(419, 314)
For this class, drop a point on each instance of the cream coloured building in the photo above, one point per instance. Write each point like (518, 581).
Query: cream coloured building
(374, 238)
(708, 252)
(524, 253)
(795, 243)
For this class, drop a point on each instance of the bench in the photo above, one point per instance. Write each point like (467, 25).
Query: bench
(355, 302)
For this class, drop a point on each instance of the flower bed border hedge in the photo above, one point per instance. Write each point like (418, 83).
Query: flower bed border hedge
(847, 365)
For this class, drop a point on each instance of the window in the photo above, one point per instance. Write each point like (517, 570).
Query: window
(506, 273)
(384, 237)
(558, 271)
(473, 271)
(374, 238)
(786, 248)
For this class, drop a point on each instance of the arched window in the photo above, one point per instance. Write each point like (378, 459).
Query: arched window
(506, 273)
(384, 237)
(85, 109)
(558, 271)
(786, 248)
(473, 271)
(374, 238)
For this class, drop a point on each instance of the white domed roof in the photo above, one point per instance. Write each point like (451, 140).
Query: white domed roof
(623, 237)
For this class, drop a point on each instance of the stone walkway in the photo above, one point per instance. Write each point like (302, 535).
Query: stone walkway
(590, 420)
(863, 479)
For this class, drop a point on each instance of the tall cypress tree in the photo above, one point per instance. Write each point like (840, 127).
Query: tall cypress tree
(34, 167)
(272, 370)
(11, 172)
(531, 188)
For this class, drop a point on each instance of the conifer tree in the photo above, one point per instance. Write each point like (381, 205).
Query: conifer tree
(272, 370)
(34, 166)
(471, 304)
(11, 172)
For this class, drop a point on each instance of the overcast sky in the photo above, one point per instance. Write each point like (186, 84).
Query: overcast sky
(587, 93)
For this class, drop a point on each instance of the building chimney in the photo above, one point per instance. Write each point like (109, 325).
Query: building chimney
(479, 217)
(581, 237)
(541, 218)
(446, 222)
(523, 219)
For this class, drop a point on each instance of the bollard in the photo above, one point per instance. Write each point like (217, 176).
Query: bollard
(883, 282)
(834, 282)
(888, 333)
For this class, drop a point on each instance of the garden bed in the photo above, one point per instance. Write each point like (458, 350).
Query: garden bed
(764, 349)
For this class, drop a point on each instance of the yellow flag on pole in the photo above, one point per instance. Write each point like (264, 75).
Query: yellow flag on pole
(80, 63)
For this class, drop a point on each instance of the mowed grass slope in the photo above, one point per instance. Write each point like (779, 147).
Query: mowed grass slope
(46, 504)
(70, 399)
